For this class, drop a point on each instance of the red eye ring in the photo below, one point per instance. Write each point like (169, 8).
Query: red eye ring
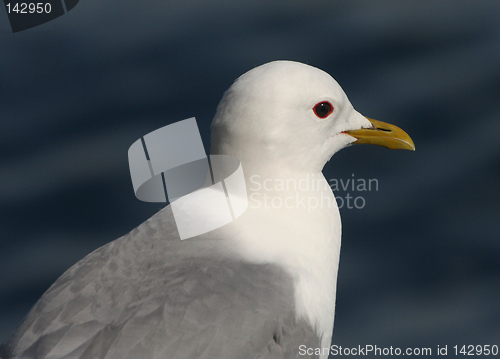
(323, 109)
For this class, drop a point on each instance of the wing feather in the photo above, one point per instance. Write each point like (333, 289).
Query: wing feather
(149, 295)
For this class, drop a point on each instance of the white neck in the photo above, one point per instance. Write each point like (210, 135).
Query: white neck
(293, 221)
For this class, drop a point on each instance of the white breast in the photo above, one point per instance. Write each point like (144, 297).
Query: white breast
(298, 227)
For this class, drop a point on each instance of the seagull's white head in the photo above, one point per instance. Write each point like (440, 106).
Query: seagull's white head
(285, 114)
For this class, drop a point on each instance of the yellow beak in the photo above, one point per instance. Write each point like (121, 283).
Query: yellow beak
(383, 134)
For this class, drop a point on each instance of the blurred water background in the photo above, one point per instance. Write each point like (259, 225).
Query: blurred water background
(420, 262)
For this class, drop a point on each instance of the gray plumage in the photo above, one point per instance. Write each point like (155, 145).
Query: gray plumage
(262, 286)
(150, 295)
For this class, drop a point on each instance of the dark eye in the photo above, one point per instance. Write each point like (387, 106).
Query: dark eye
(323, 109)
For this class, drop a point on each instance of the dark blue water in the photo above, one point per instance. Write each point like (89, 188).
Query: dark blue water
(420, 262)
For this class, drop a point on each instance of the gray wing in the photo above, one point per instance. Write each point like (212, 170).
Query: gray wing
(150, 295)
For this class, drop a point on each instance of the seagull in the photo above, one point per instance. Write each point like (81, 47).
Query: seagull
(261, 286)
